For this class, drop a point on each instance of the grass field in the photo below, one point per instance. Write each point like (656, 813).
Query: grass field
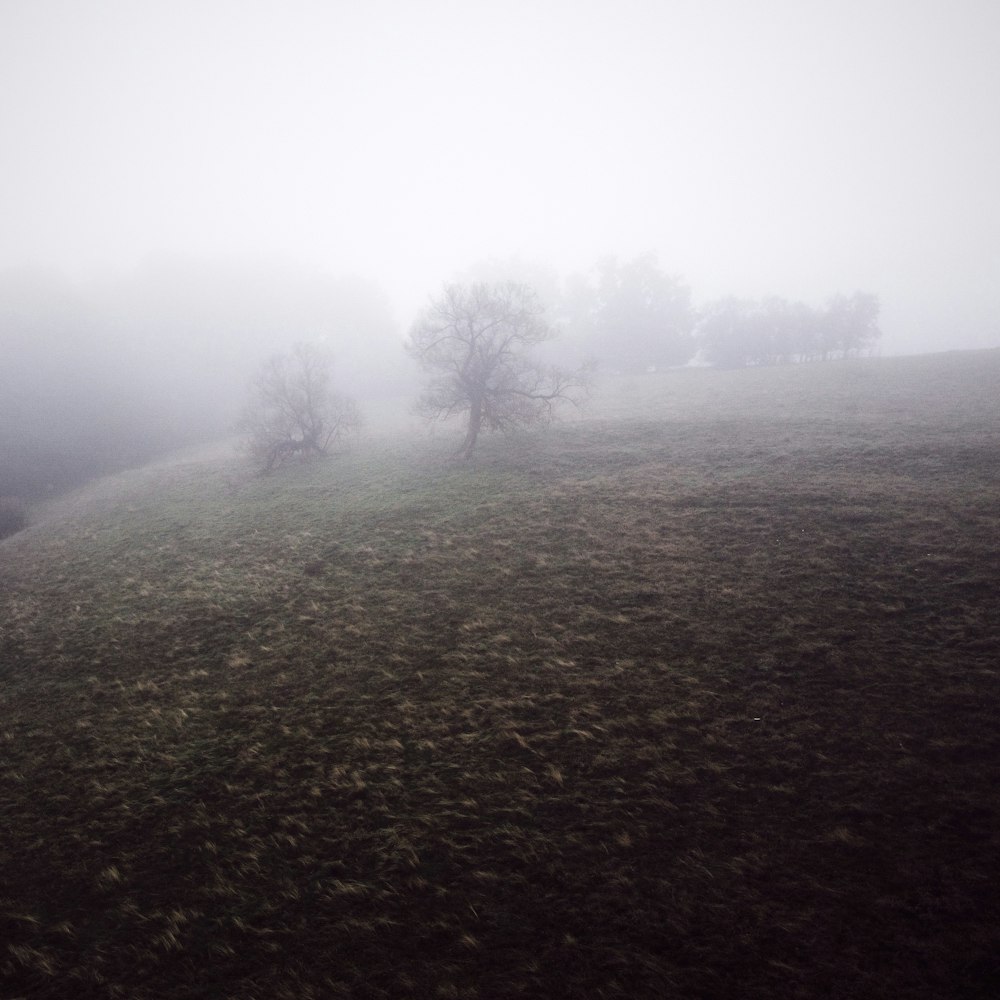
(696, 695)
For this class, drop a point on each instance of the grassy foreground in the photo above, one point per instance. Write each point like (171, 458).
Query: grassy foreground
(695, 697)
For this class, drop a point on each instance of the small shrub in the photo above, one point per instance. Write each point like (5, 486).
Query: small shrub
(13, 516)
(294, 411)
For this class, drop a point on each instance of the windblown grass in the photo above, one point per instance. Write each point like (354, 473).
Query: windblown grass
(694, 697)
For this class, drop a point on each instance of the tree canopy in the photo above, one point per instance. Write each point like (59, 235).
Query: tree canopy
(475, 343)
(632, 313)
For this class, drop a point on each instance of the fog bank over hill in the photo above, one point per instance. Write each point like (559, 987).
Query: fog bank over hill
(774, 148)
(103, 375)
(189, 188)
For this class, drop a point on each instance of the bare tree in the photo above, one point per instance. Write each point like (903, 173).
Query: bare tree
(475, 342)
(293, 409)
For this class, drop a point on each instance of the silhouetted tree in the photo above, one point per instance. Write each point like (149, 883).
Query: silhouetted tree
(475, 342)
(294, 411)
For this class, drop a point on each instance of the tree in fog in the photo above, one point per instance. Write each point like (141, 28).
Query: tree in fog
(541, 278)
(724, 332)
(642, 316)
(734, 333)
(475, 343)
(849, 325)
(293, 409)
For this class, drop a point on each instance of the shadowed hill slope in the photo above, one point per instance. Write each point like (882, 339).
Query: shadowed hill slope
(694, 696)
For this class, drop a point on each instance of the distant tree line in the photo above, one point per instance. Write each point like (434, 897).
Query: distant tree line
(634, 316)
(736, 333)
(95, 380)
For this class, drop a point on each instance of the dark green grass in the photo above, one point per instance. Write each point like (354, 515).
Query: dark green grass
(695, 697)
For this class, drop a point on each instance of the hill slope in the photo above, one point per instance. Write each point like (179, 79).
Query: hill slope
(695, 696)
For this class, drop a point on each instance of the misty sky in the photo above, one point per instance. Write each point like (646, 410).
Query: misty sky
(759, 146)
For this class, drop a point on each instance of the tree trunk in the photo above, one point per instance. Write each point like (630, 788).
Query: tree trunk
(472, 434)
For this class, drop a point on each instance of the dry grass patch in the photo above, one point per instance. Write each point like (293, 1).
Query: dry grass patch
(645, 707)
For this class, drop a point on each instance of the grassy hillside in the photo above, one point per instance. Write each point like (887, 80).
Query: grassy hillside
(693, 696)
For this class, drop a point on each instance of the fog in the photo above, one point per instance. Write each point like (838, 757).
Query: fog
(781, 147)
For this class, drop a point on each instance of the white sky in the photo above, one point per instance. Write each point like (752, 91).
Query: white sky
(793, 147)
